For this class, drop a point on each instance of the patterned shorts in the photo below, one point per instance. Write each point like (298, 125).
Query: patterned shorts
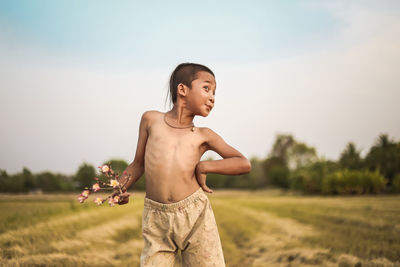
(188, 225)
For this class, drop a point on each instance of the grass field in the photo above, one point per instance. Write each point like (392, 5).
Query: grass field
(261, 228)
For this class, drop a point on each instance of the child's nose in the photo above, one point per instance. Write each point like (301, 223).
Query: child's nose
(212, 98)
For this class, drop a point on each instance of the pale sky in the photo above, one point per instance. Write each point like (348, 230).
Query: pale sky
(76, 76)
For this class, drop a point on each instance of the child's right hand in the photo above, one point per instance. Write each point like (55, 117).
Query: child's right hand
(123, 198)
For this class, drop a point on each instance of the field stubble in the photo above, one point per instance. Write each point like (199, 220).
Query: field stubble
(260, 228)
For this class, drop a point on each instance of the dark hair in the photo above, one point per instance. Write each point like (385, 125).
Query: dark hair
(184, 73)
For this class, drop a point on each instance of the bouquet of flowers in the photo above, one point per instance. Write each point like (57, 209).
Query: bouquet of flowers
(111, 183)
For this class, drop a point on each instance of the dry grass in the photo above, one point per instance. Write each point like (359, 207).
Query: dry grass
(261, 228)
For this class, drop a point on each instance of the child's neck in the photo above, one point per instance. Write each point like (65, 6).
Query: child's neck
(180, 115)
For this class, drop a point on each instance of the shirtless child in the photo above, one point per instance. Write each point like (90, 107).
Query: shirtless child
(177, 213)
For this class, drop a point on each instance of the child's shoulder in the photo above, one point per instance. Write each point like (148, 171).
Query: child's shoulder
(208, 133)
(150, 115)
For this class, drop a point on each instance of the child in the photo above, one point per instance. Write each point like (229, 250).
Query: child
(177, 213)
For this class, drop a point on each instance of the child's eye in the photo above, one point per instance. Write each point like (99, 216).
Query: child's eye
(207, 89)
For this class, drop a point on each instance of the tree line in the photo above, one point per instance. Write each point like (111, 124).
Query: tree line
(295, 165)
(289, 165)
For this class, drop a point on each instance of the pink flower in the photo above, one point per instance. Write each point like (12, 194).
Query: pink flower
(105, 168)
(114, 183)
(81, 199)
(85, 193)
(99, 185)
(111, 202)
(98, 201)
(96, 187)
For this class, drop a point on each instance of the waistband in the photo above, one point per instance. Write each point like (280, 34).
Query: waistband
(149, 203)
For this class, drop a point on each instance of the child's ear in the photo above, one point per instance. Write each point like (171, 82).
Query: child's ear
(182, 89)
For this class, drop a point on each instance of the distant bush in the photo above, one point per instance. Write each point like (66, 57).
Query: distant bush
(309, 179)
(216, 180)
(84, 176)
(11, 183)
(396, 183)
(353, 182)
(279, 175)
(140, 184)
(25, 181)
(306, 180)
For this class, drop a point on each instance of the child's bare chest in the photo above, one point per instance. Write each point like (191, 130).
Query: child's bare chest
(182, 143)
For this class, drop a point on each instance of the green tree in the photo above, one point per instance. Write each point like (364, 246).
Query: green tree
(215, 180)
(256, 177)
(140, 184)
(275, 166)
(287, 155)
(300, 155)
(29, 180)
(84, 177)
(309, 179)
(396, 183)
(48, 182)
(281, 147)
(11, 183)
(384, 156)
(279, 175)
(350, 158)
(3, 180)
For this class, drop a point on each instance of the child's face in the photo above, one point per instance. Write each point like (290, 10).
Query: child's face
(201, 97)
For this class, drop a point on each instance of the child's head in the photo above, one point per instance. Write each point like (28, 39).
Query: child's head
(185, 74)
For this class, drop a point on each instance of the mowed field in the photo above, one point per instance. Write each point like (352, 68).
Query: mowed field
(257, 228)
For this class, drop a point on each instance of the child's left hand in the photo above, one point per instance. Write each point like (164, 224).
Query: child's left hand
(201, 178)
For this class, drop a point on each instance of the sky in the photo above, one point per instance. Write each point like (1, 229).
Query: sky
(76, 76)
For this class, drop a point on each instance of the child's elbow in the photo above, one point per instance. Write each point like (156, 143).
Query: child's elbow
(247, 166)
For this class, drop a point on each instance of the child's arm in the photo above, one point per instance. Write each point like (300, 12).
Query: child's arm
(136, 168)
(233, 162)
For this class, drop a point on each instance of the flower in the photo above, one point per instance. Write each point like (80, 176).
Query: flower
(96, 187)
(85, 193)
(81, 199)
(98, 201)
(111, 202)
(105, 168)
(116, 199)
(114, 183)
